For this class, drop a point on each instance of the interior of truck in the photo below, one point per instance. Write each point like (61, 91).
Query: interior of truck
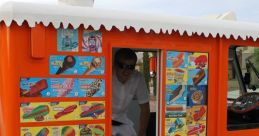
(243, 88)
(148, 65)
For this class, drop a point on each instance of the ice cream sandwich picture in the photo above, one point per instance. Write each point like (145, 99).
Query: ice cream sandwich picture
(198, 77)
(176, 94)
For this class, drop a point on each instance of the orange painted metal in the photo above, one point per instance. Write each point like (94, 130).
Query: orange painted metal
(38, 41)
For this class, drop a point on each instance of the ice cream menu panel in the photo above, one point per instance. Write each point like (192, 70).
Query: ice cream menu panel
(68, 77)
(69, 130)
(61, 111)
(186, 93)
(62, 87)
(76, 65)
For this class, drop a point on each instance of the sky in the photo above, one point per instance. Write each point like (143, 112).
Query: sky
(245, 10)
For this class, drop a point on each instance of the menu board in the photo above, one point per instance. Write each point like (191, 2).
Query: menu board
(61, 111)
(76, 65)
(62, 87)
(68, 130)
(186, 93)
(78, 55)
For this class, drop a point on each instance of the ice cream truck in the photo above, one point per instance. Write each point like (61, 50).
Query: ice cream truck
(56, 71)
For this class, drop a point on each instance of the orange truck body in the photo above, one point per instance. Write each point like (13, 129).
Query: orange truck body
(24, 52)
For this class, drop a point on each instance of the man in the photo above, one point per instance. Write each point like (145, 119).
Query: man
(127, 83)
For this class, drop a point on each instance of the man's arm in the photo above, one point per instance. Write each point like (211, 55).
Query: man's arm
(144, 118)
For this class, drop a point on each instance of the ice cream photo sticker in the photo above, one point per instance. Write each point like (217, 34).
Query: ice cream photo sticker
(92, 41)
(67, 40)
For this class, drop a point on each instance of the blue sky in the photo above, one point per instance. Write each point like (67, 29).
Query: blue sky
(245, 10)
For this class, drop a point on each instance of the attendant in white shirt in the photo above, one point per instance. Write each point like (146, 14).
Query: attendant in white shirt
(127, 83)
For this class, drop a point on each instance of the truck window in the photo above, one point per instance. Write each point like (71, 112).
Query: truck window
(243, 88)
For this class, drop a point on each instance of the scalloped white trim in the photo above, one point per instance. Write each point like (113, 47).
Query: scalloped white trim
(60, 14)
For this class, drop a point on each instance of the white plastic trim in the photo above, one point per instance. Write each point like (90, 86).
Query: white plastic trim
(74, 15)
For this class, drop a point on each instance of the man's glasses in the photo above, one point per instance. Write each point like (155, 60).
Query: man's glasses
(126, 66)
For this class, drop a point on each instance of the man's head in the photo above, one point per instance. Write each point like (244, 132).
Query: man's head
(125, 61)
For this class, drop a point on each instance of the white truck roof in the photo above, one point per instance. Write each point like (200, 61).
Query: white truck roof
(62, 14)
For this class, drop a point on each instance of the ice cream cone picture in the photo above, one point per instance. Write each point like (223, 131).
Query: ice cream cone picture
(69, 62)
(96, 63)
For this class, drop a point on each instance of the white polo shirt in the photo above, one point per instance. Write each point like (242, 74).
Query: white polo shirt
(122, 95)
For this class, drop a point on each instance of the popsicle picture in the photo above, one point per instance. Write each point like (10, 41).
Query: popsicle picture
(93, 111)
(37, 113)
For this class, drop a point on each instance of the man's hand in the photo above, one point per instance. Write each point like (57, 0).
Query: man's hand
(144, 118)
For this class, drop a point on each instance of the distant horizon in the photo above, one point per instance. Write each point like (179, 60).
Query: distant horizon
(245, 11)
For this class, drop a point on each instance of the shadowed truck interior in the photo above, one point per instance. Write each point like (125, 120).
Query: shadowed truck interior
(243, 88)
(147, 65)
